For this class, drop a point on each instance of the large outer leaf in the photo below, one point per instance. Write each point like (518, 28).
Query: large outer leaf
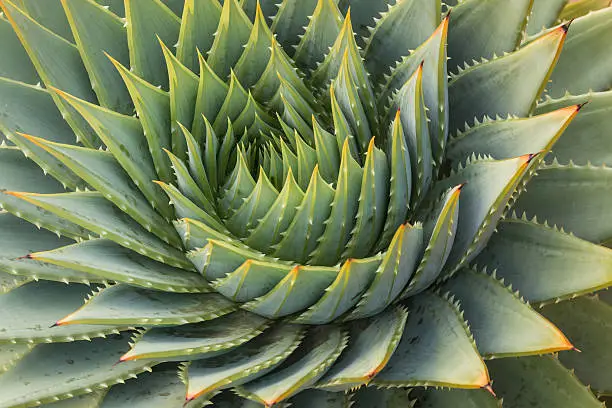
(539, 382)
(60, 371)
(490, 184)
(159, 389)
(59, 65)
(473, 22)
(18, 67)
(128, 305)
(586, 139)
(29, 313)
(503, 139)
(30, 109)
(435, 350)
(499, 319)
(440, 398)
(517, 78)
(581, 195)
(544, 263)
(18, 173)
(106, 259)
(588, 322)
(586, 42)
(20, 238)
(194, 341)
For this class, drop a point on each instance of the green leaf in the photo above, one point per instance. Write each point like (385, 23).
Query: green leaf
(17, 173)
(435, 349)
(196, 168)
(440, 398)
(50, 15)
(372, 397)
(98, 32)
(160, 389)
(580, 8)
(353, 279)
(194, 341)
(371, 345)
(195, 234)
(28, 312)
(406, 25)
(9, 282)
(234, 103)
(244, 364)
(92, 400)
(18, 67)
(366, 13)
(490, 184)
(318, 398)
(252, 279)
(108, 260)
(373, 199)
(146, 22)
(300, 238)
(58, 63)
(299, 289)
(512, 137)
(328, 154)
(30, 109)
(185, 208)
(544, 14)
(21, 238)
(212, 92)
(238, 187)
(322, 31)
(339, 225)
(254, 208)
(183, 94)
(411, 110)
(587, 322)
(440, 230)
(128, 305)
(397, 266)
(11, 353)
(188, 187)
(472, 23)
(585, 139)
(499, 319)
(318, 352)
(520, 77)
(586, 41)
(101, 171)
(580, 206)
(199, 23)
(545, 264)
(92, 211)
(432, 56)
(54, 372)
(153, 110)
(124, 136)
(291, 20)
(232, 34)
(257, 51)
(539, 382)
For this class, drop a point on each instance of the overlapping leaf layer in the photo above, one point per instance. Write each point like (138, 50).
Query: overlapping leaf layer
(305, 203)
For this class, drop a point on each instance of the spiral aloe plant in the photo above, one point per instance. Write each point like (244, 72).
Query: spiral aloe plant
(383, 203)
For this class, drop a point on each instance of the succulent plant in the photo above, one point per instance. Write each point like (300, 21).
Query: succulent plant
(318, 203)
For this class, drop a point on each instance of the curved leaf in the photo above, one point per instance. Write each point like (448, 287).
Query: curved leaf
(520, 77)
(128, 305)
(435, 349)
(545, 264)
(539, 382)
(499, 319)
(581, 206)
